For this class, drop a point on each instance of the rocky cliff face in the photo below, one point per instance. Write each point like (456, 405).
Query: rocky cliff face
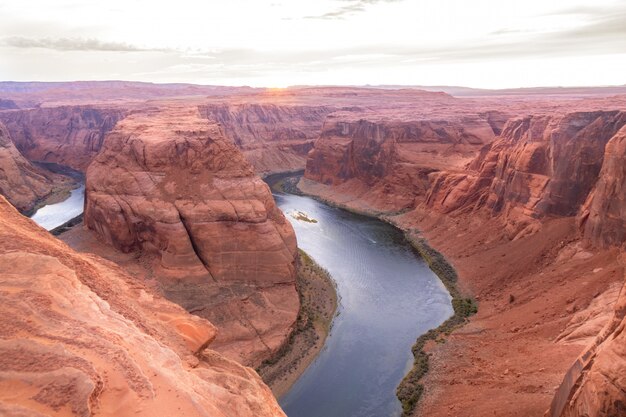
(170, 185)
(20, 182)
(603, 217)
(68, 135)
(272, 137)
(387, 162)
(540, 166)
(595, 385)
(79, 337)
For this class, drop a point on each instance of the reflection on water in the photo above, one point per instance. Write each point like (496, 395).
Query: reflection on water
(388, 297)
(54, 215)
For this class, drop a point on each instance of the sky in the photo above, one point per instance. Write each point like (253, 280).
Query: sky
(277, 43)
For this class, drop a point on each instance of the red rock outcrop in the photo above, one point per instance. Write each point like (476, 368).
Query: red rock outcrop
(79, 337)
(540, 166)
(273, 138)
(23, 184)
(387, 162)
(68, 135)
(168, 183)
(595, 385)
(603, 217)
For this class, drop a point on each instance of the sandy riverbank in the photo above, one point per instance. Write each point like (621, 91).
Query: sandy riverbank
(318, 304)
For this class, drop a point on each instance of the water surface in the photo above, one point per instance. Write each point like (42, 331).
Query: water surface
(54, 215)
(388, 297)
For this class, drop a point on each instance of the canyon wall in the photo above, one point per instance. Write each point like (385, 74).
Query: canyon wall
(532, 221)
(540, 166)
(168, 184)
(386, 163)
(595, 386)
(80, 337)
(23, 184)
(273, 138)
(67, 135)
(603, 217)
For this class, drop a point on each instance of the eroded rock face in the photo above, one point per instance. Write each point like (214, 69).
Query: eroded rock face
(272, 137)
(67, 135)
(390, 160)
(603, 217)
(79, 337)
(540, 166)
(169, 184)
(20, 182)
(595, 385)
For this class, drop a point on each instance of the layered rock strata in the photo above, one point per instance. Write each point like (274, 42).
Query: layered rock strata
(66, 135)
(79, 337)
(387, 163)
(273, 138)
(170, 186)
(23, 184)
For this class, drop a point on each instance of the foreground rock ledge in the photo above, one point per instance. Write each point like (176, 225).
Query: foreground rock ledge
(79, 337)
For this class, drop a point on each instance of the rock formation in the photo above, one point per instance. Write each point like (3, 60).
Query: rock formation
(23, 184)
(540, 166)
(603, 217)
(389, 161)
(7, 104)
(595, 385)
(273, 137)
(79, 337)
(67, 135)
(168, 183)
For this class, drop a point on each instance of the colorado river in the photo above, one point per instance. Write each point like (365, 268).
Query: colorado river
(388, 297)
(54, 215)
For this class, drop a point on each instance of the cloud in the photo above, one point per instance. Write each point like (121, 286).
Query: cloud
(355, 6)
(73, 44)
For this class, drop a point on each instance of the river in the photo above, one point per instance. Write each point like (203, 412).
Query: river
(54, 215)
(388, 297)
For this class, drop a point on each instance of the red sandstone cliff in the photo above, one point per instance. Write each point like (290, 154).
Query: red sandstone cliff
(23, 184)
(540, 166)
(385, 162)
(595, 385)
(68, 135)
(168, 183)
(79, 337)
(603, 217)
(272, 137)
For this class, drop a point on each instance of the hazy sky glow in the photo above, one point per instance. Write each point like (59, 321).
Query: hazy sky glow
(489, 43)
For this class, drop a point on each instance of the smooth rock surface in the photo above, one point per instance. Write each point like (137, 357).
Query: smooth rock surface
(79, 337)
